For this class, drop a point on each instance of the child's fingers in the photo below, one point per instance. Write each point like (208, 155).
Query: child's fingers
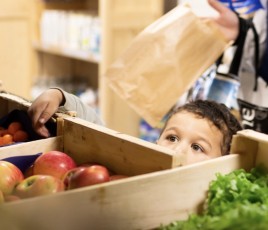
(44, 117)
(217, 6)
(46, 112)
(43, 131)
(35, 113)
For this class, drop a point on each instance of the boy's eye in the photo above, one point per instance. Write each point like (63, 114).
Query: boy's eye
(172, 138)
(197, 147)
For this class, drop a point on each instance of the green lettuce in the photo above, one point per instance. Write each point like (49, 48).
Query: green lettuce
(238, 200)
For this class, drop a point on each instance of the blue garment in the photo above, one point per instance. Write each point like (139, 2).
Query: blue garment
(235, 5)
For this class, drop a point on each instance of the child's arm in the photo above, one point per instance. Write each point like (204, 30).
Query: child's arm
(73, 103)
(48, 103)
(42, 108)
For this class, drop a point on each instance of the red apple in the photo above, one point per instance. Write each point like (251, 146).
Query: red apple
(69, 174)
(38, 185)
(11, 175)
(87, 164)
(85, 176)
(53, 163)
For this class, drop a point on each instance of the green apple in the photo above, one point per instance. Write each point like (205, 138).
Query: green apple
(38, 185)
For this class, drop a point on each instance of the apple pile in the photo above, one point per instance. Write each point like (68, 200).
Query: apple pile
(51, 172)
(13, 133)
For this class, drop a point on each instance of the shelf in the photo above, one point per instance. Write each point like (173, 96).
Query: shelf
(65, 52)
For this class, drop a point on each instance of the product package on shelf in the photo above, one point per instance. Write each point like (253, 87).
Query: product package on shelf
(154, 193)
(75, 32)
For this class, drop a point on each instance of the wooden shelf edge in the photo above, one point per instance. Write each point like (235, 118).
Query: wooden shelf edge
(65, 52)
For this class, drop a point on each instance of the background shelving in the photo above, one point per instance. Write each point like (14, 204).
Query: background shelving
(66, 52)
(25, 58)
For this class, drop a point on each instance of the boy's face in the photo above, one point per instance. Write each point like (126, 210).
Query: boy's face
(193, 138)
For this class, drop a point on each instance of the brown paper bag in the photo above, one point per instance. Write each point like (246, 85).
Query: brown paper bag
(164, 61)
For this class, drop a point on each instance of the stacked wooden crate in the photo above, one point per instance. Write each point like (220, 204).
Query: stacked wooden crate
(156, 191)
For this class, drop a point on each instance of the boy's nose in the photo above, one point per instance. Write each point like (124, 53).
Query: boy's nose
(180, 148)
(180, 157)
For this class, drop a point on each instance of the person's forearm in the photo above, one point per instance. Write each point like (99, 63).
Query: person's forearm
(73, 103)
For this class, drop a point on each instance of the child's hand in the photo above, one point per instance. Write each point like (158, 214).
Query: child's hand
(42, 108)
(227, 20)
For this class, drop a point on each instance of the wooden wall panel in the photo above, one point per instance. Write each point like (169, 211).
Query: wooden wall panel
(15, 45)
(15, 55)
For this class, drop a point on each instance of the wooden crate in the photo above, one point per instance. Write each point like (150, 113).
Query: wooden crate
(88, 142)
(157, 194)
(9, 102)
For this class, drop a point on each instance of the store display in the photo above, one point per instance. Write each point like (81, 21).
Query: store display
(71, 31)
(74, 173)
(157, 192)
(9, 134)
(47, 173)
(179, 189)
(237, 200)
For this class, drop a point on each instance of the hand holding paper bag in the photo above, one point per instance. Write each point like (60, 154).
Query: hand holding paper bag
(164, 61)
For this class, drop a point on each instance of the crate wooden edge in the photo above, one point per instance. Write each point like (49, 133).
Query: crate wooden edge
(78, 134)
(253, 143)
(37, 146)
(15, 98)
(120, 135)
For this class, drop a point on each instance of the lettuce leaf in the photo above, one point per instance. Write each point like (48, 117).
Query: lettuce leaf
(238, 200)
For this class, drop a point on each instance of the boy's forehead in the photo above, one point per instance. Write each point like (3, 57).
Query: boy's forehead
(186, 114)
(185, 117)
(194, 124)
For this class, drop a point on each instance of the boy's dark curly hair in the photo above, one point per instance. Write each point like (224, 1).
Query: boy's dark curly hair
(219, 114)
